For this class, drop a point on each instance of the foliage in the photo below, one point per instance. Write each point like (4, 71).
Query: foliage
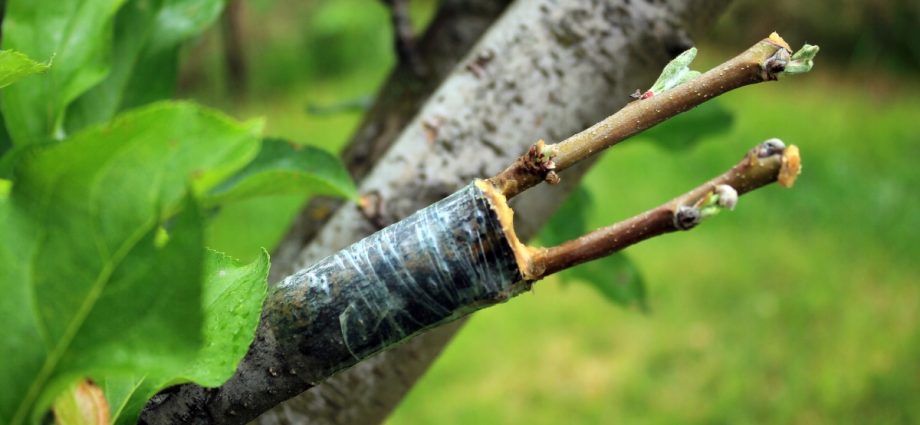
(282, 168)
(102, 263)
(78, 35)
(15, 66)
(615, 277)
(144, 63)
(686, 130)
(875, 35)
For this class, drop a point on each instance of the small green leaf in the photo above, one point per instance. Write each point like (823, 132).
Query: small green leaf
(676, 72)
(87, 291)
(78, 35)
(686, 130)
(15, 66)
(802, 61)
(283, 168)
(145, 57)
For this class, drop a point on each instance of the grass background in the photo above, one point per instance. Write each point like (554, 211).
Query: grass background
(799, 307)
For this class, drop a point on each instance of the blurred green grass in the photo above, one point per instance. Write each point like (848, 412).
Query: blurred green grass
(801, 306)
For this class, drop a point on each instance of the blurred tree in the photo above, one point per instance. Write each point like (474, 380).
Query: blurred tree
(868, 33)
(234, 45)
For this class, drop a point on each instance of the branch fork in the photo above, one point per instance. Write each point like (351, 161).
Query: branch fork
(768, 162)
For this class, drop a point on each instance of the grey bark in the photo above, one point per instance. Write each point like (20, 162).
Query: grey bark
(545, 70)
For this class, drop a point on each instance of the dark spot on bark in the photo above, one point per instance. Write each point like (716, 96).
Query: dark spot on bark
(493, 146)
(448, 146)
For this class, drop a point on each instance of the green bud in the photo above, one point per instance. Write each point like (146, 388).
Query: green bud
(676, 72)
(802, 61)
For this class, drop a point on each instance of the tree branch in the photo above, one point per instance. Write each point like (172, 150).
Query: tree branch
(762, 62)
(766, 163)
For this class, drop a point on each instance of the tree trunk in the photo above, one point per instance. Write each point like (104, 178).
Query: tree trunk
(232, 26)
(544, 70)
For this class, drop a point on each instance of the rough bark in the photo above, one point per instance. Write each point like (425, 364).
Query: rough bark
(545, 70)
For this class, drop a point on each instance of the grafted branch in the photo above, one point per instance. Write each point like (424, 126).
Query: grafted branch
(764, 61)
(768, 162)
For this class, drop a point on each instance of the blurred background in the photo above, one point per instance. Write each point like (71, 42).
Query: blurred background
(802, 306)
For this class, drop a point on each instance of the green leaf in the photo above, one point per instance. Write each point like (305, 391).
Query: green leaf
(118, 392)
(284, 168)
(77, 34)
(616, 278)
(232, 302)
(686, 130)
(86, 289)
(5, 186)
(15, 66)
(570, 220)
(145, 54)
(676, 72)
(802, 61)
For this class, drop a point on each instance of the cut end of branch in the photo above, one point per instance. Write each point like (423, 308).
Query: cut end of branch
(791, 167)
(523, 254)
(775, 38)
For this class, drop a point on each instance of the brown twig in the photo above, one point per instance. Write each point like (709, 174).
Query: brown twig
(768, 162)
(762, 62)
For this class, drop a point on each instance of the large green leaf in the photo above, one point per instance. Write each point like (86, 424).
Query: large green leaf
(616, 278)
(232, 302)
(144, 56)
(686, 130)
(284, 168)
(15, 66)
(77, 34)
(89, 289)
